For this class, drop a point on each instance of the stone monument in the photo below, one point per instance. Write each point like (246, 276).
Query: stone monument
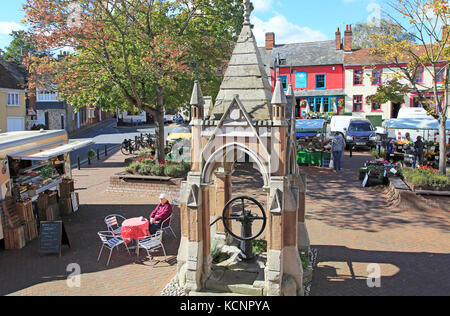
(247, 118)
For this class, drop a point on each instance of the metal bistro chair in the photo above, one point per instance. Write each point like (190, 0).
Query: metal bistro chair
(152, 243)
(165, 227)
(113, 225)
(110, 241)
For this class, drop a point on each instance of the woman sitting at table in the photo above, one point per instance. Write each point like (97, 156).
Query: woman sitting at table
(160, 214)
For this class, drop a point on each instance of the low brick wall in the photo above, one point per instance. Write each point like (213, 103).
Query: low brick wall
(409, 200)
(152, 188)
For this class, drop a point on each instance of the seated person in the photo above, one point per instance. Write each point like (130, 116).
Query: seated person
(160, 214)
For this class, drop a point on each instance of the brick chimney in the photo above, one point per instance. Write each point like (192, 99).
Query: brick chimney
(270, 41)
(348, 34)
(338, 40)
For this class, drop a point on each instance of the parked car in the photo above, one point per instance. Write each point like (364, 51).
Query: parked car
(340, 123)
(181, 132)
(361, 133)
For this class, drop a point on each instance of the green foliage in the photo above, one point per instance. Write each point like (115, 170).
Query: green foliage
(91, 154)
(259, 246)
(133, 167)
(216, 253)
(20, 46)
(145, 169)
(422, 178)
(46, 172)
(305, 260)
(175, 170)
(378, 155)
(390, 90)
(158, 169)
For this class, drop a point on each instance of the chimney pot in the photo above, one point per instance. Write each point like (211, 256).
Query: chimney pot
(270, 40)
(338, 39)
(348, 35)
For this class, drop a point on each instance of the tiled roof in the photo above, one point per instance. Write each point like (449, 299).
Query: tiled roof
(304, 54)
(7, 80)
(363, 57)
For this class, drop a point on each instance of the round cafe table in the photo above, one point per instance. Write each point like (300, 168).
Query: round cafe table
(135, 228)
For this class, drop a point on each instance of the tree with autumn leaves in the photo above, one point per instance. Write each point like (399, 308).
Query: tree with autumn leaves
(131, 54)
(424, 49)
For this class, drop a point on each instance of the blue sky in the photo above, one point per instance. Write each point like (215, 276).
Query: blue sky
(291, 20)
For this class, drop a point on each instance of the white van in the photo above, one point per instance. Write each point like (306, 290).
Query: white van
(340, 123)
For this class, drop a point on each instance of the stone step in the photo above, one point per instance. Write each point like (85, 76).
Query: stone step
(214, 293)
(238, 282)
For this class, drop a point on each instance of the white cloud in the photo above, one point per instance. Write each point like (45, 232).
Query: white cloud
(285, 31)
(262, 5)
(7, 27)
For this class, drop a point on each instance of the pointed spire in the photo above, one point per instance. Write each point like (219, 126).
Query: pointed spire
(197, 95)
(279, 97)
(247, 12)
(290, 92)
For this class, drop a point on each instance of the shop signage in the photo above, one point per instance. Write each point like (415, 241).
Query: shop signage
(52, 236)
(300, 80)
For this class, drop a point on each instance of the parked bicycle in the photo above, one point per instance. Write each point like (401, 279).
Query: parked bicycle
(128, 147)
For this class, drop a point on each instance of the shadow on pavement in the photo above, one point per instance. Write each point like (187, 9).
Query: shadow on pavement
(26, 267)
(403, 273)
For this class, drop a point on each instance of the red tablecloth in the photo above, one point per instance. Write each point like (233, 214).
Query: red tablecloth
(134, 228)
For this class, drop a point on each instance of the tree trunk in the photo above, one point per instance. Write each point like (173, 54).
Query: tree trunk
(159, 126)
(442, 147)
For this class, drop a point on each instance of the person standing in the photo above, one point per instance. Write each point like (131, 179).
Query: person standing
(337, 147)
(418, 151)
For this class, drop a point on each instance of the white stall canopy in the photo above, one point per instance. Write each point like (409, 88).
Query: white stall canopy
(46, 154)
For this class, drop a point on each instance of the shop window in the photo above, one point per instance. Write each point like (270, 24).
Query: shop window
(320, 81)
(326, 105)
(376, 107)
(376, 76)
(284, 82)
(357, 103)
(358, 77)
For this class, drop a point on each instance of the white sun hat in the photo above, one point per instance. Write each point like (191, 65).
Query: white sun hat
(163, 196)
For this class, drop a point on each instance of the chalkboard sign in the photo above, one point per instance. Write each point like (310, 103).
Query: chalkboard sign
(52, 236)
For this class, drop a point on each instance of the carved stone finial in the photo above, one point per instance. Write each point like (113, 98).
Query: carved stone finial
(247, 5)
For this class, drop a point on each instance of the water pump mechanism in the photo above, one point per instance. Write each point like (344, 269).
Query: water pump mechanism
(246, 218)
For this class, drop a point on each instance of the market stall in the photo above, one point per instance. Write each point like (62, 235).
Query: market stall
(312, 143)
(402, 150)
(35, 180)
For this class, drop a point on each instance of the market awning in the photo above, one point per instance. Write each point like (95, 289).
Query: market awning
(47, 154)
(310, 125)
(414, 123)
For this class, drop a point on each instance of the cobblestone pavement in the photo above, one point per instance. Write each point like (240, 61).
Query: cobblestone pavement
(26, 272)
(353, 227)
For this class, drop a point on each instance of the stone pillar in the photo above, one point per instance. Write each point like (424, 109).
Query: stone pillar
(193, 254)
(284, 273)
(223, 190)
(302, 236)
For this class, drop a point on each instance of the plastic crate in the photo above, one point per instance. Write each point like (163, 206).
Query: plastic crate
(316, 158)
(302, 158)
(326, 163)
